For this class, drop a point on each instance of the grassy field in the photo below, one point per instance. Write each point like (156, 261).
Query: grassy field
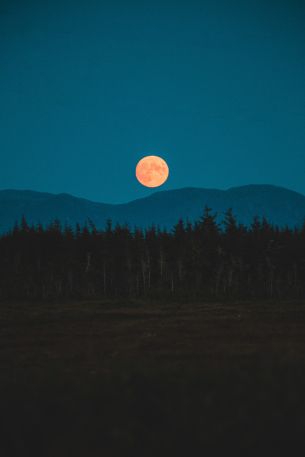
(130, 379)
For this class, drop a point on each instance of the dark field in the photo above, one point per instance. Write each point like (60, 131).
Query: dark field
(109, 379)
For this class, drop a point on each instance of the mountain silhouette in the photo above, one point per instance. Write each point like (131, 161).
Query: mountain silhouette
(164, 208)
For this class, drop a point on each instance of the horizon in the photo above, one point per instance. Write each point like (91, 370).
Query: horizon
(280, 206)
(153, 192)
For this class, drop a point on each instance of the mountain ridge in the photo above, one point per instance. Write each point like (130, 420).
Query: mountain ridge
(164, 208)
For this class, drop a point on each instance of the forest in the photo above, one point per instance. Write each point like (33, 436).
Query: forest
(193, 261)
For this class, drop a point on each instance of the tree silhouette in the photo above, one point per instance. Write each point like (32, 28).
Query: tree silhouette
(200, 260)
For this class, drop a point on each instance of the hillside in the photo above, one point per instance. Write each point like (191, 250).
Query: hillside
(279, 205)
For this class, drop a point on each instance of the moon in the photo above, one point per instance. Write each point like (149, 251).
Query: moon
(152, 171)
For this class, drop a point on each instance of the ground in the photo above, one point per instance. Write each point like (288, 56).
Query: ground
(144, 378)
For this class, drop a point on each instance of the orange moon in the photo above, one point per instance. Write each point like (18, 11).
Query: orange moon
(152, 171)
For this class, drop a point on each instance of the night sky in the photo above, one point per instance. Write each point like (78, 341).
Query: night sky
(217, 88)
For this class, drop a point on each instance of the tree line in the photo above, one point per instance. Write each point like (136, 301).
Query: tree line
(199, 260)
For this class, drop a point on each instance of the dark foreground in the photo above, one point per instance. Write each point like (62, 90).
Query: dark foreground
(92, 379)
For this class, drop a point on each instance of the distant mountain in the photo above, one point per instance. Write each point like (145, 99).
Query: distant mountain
(279, 205)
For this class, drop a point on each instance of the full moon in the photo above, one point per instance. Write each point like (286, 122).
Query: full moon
(152, 171)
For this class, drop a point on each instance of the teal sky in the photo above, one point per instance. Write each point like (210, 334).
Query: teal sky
(217, 88)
